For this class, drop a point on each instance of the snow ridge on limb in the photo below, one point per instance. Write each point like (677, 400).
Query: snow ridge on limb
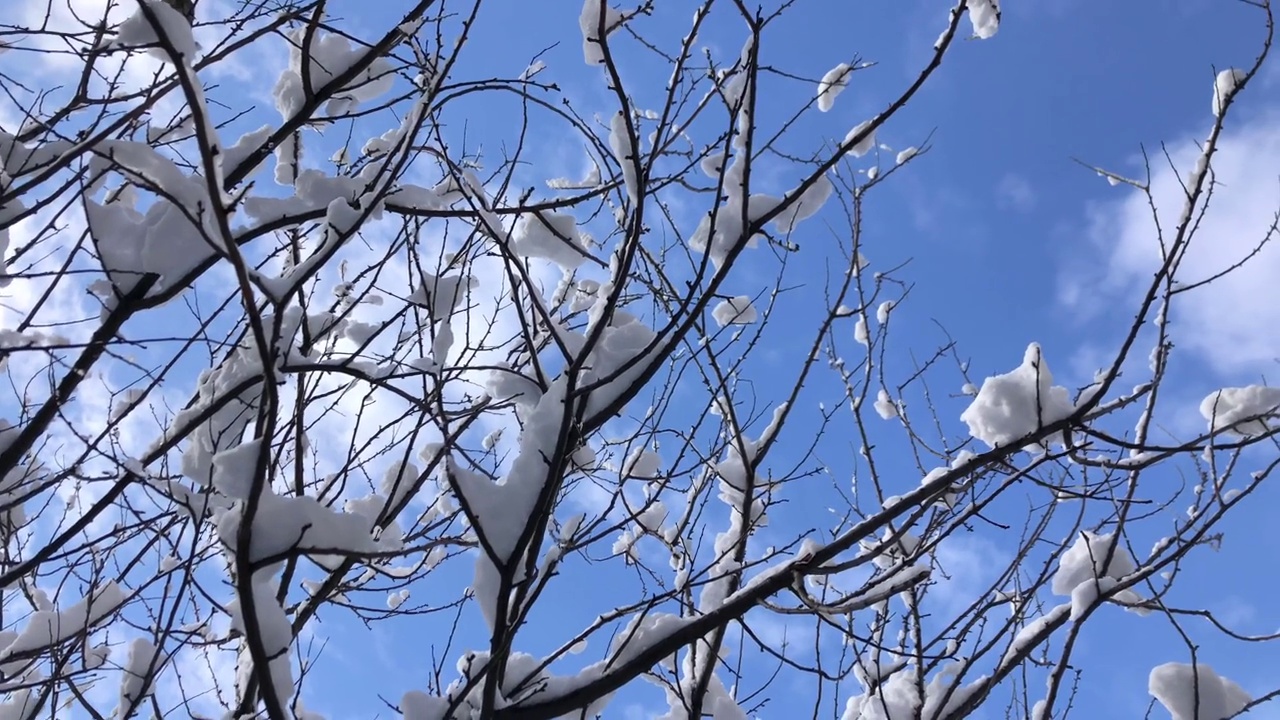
(49, 627)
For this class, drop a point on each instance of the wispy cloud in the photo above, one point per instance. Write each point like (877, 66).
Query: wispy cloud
(1229, 322)
(1015, 192)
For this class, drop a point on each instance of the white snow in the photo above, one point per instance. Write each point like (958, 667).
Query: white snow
(233, 470)
(901, 696)
(885, 406)
(417, 705)
(181, 130)
(727, 219)
(625, 340)
(1224, 86)
(137, 31)
(712, 165)
(138, 673)
(244, 146)
(396, 599)
(805, 206)
(1242, 411)
(860, 331)
(588, 181)
(1082, 562)
(733, 84)
(24, 703)
(832, 84)
(739, 206)
(882, 312)
(331, 55)
(1086, 594)
(1026, 636)
(163, 240)
(50, 627)
(274, 631)
(503, 383)
(652, 516)
(416, 197)
(551, 236)
(442, 295)
(593, 12)
(907, 154)
(502, 509)
(8, 213)
(376, 146)
(1016, 404)
(874, 668)
(584, 295)
(302, 524)
(737, 310)
(120, 405)
(624, 150)
(1177, 686)
(95, 657)
(642, 463)
(491, 439)
(739, 490)
(533, 69)
(985, 17)
(413, 26)
(863, 146)
(1081, 577)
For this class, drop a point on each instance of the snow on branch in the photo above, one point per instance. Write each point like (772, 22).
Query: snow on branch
(348, 370)
(1014, 405)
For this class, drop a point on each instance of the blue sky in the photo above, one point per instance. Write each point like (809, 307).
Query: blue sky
(999, 224)
(1008, 241)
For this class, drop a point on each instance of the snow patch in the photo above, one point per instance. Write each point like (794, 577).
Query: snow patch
(596, 13)
(138, 31)
(863, 146)
(1011, 406)
(550, 236)
(1224, 86)
(736, 310)
(1242, 411)
(985, 17)
(1081, 576)
(1178, 686)
(832, 84)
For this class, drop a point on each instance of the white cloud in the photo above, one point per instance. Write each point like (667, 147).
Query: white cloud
(1014, 191)
(1230, 322)
(968, 563)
